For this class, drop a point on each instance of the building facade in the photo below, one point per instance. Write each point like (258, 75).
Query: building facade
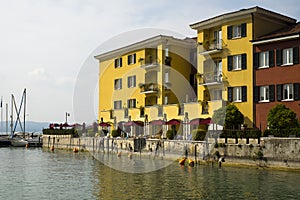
(147, 82)
(225, 57)
(277, 72)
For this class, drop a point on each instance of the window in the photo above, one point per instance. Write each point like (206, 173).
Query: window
(287, 56)
(131, 59)
(118, 62)
(131, 81)
(131, 103)
(118, 84)
(166, 100)
(264, 59)
(287, 90)
(237, 31)
(264, 93)
(237, 94)
(217, 95)
(118, 104)
(237, 62)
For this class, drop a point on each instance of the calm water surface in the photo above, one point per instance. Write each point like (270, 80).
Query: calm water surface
(40, 174)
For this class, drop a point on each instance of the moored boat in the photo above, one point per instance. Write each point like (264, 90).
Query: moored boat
(18, 142)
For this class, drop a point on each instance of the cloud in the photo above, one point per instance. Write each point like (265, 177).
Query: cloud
(38, 74)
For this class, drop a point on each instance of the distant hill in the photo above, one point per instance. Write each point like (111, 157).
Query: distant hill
(31, 126)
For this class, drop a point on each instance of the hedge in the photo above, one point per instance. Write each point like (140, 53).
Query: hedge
(282, 133)
(72, 132)
(240, 134)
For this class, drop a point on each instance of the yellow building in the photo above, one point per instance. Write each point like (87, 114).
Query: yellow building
(147, 81)
(225, 57)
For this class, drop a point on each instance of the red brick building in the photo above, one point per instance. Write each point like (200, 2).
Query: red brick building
(276, 73)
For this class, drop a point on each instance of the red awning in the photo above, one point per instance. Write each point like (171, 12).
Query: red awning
(104, 124)
(173, 122)
(198, 121)
(134, 123)
(158, 122)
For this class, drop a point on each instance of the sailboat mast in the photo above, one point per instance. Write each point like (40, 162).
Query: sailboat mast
(24, 111)
(12, 114)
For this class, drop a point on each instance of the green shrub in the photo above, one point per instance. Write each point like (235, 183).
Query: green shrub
(198, 134)
(115, 133)
(71, 131)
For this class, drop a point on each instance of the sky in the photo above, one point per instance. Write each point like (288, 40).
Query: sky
(44, 44)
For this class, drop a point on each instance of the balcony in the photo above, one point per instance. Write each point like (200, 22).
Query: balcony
(149, 63)
(149, 88)
(212, 78)
(211, 47)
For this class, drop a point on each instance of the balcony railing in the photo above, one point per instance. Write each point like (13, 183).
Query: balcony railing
(149, 88)
(149, 63)
(212, 77)
(212, 46)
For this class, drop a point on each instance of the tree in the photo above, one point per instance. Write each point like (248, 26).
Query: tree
(229, 116)
(281, 117)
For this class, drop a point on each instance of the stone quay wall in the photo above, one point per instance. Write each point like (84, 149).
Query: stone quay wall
(266, 152)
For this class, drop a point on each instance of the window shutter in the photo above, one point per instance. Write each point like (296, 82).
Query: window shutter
(115, 105)
(229, 63)
(244, 93)
(134, 103)
(279, 57)
(279, 92)
(128, 81)
(296, 91)
(134, 58)
(272, 93)
(296, 55)
(256, 60)
(134, 81)
(271, 58)
(120, 83)
(244, 30)
(230, 94)
(116, 63)
(128, 59)
(128, 103)
(244, 61)
(229, 32)
(256, 94)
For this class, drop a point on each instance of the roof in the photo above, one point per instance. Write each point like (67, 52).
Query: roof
(147, 43)
(211, 22)
(284, 32)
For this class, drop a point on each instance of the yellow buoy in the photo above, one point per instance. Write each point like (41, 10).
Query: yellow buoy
(130, 156)
(26, 146)
(119, 154)
(52, 148)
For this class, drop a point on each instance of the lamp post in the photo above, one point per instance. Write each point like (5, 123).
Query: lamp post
(67, 115)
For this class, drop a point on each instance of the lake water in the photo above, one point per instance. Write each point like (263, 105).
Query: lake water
(40, 174)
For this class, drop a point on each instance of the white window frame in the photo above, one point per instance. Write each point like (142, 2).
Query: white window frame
(118, 84)
(167, 76)
(287, 92)
(166, 100)
(131, 81)
(264, 59)
(237, 94)
(264, 94)
(287, 56)
(237, 62)
(131, 59)
(131, 103)
(118, 104)
(236, 31)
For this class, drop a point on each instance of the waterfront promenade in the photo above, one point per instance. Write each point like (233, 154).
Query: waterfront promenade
(264, 152)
